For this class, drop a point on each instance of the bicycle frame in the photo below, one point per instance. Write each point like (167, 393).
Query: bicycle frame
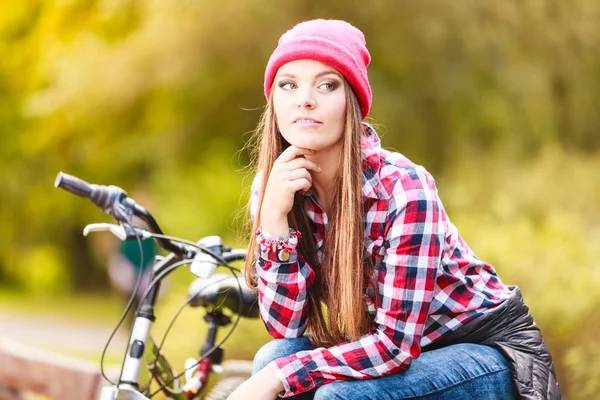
(142, 346)
(161, 370)
(127, 389)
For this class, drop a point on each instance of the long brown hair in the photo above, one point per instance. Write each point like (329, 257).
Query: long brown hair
(341, 277)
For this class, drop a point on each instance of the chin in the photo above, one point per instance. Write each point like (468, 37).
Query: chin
(305, 141)
(306, 144)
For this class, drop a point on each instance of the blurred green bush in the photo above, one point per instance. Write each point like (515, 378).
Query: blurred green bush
(498, 100)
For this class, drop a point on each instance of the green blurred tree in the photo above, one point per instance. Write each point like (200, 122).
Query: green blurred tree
(498, 99)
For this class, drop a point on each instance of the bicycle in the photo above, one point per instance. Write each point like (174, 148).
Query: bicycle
(215, 292)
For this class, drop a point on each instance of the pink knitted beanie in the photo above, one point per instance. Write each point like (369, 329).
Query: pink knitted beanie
(332, 42)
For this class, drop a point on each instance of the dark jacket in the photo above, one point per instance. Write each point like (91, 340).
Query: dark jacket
(510, 329)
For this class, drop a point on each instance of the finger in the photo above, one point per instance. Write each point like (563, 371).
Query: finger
(297, 185)
(293, 152)
(301, 163)
(299, 173)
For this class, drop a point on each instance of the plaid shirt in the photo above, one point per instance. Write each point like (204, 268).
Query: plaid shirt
(428, 279)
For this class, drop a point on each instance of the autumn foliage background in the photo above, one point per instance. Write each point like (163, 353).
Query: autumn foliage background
(499, 100)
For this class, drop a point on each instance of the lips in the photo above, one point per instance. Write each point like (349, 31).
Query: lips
(306, 120)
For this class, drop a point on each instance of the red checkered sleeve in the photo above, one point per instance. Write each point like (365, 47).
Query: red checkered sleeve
(412, 250)
(282, 286)
(283, 292)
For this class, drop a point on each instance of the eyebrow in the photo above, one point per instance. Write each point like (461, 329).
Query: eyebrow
(320, 74)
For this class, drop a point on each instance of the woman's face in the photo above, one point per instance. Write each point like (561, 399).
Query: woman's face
(310, 104)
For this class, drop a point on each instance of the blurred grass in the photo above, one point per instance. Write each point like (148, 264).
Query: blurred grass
(82, 307)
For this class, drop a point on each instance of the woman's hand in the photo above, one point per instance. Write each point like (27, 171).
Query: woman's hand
(291, 172)
(263, 385)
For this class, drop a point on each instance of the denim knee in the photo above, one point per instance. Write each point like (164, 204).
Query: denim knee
(266, 354)
(278, 348)
(330, 392)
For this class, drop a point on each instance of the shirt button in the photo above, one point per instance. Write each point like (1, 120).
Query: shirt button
(293, 388)
(306, 384)
(284, 256)
(395, 352)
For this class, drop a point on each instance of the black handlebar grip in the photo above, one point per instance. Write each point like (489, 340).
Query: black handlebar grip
(113, 200)
(73, 185)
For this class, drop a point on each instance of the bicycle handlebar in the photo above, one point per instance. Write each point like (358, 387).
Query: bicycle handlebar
(73, 184)
(113, 200)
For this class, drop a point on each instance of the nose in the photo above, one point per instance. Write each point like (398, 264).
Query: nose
(306, 99)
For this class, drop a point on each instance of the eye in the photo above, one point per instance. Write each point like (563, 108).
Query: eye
(329, 86)
(287, 85)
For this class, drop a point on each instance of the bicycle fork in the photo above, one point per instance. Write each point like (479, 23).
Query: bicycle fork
(135, 352)
(128, 387)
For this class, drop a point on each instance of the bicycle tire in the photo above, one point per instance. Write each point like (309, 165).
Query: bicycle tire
(225, 387)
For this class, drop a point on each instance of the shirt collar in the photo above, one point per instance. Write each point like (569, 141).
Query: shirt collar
(371, 163)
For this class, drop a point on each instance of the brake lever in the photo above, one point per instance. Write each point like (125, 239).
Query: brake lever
(122, 232)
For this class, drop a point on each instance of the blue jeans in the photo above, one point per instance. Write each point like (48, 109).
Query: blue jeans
(461, 371)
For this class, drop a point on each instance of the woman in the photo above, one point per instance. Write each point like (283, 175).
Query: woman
(410, 312)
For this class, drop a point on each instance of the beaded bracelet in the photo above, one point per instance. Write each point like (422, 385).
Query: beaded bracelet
(281, 247)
